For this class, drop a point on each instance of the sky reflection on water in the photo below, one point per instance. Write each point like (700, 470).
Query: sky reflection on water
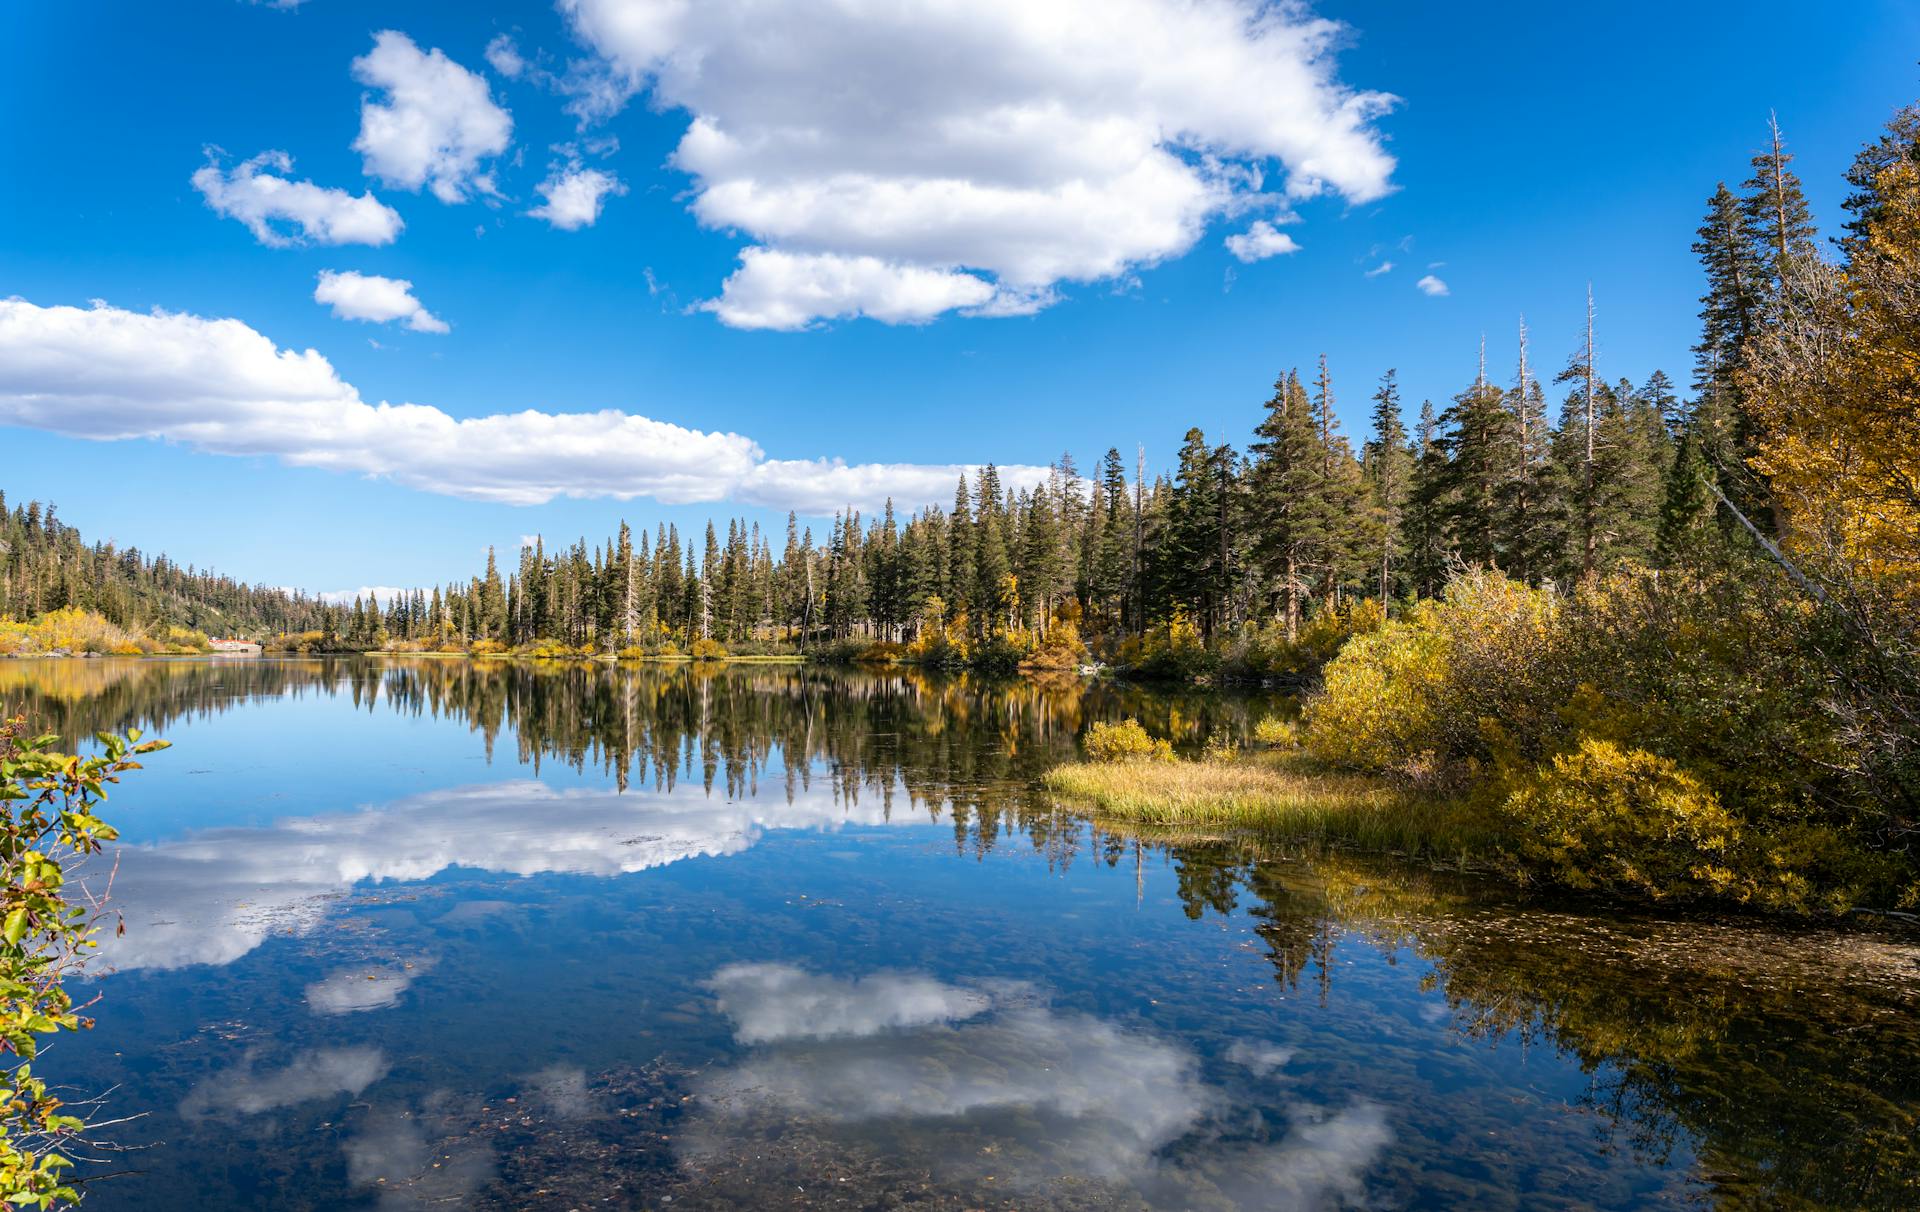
(774, 937)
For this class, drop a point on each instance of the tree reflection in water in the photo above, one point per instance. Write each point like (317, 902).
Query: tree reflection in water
(1786, 1061)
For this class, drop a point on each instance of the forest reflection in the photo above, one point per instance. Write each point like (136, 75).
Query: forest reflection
(1787, 1062)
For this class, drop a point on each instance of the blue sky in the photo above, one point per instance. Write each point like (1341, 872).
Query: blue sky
(1532, 151)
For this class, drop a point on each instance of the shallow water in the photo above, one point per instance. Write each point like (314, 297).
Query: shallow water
(436, 935)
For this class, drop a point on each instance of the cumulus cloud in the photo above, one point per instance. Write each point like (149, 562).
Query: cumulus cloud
(971, 1083)
(1261, 241)
(320, 1073)
(282, 212)
(357, 296)
(221, 387)
(1430, 285)
(505, 57)
(972, 153)
(783, 290)
(437, 125)
(213, 896)
(574, 196)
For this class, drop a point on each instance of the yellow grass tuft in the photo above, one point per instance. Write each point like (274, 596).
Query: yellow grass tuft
(1281, 794)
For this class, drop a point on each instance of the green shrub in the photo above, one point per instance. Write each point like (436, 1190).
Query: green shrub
(1126, 741)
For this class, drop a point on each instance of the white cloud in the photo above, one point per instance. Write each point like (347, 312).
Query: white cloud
(219, 386)
(574, 196)
(505, 57)
(1431, 285)
(320, 1073)
(437, 125)
(1385, 267)
(783, 290)
(978, 152)
(268, 204)
(357, 296)
(1261, 241)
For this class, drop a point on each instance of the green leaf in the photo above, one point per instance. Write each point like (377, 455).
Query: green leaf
(16, 925)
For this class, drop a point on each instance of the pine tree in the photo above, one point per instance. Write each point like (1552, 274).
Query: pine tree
(493, 603)
(1289, 475)
(1776, 212)
(1729, 314)
(1525, 523)
(1476, 442)
(1425, 523)
(1387, 465)
(961, 541)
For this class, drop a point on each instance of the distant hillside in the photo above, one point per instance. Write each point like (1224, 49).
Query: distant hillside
(46, 564)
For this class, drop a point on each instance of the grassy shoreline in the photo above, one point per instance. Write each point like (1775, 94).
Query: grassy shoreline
(1282, 793)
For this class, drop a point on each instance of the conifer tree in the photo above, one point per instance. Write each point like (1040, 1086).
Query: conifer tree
(1289, 474)
(1387, 464)
(961, 541)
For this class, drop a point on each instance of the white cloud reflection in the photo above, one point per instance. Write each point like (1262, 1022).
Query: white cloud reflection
(320, 1073)
(363, 987)
(211, 897)
(1013, 1089)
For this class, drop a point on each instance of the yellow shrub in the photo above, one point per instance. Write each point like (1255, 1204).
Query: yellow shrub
(1609, 818)
(1276, 732)
(708, 650)
(1324, 634)
(71, 629)
(1061, 649)
(1126, 741)
(1378, 709)
(1222, 746)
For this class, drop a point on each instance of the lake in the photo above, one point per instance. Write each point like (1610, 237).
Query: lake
(441, 934)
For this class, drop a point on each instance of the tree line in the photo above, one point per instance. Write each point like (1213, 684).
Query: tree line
(1546, 474)
(45, 565)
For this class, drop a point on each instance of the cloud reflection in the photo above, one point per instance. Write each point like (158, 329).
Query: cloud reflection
(362, 987)
(211, 897)
(393, 1156)
(320, 1073)
(994, 1086)
(770, 1002)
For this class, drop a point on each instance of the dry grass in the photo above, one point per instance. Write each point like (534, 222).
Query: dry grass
(1280, 794)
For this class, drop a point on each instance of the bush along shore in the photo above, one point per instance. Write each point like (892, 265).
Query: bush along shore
(1677, 738)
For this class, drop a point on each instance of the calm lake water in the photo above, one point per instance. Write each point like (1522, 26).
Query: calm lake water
(441, 935)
